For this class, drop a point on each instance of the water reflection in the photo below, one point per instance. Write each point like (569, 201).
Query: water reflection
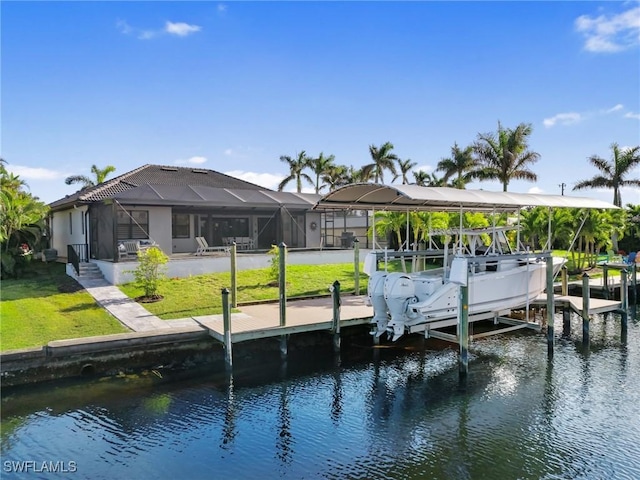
(395, 412)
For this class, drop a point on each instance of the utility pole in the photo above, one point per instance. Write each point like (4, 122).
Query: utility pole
(562, 185)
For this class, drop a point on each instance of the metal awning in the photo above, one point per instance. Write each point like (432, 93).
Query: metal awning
(365, 196)
(203, 196)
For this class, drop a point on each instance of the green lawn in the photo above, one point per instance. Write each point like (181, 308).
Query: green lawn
(201, 294)
(47, 305)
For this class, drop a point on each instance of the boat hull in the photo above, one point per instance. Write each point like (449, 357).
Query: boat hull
(414, 299)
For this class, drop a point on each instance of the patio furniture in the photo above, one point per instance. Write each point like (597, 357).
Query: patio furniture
(128, 249)
(203, 247)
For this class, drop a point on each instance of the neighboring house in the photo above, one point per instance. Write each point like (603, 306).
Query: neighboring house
(171, 206)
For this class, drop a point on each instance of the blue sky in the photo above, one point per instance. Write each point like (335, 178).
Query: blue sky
(233, 86)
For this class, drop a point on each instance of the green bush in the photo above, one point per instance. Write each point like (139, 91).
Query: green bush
(150, 272)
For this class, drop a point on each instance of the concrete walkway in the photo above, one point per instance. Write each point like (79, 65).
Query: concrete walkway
(129, 312)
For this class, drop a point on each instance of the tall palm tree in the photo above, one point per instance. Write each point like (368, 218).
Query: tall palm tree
(296, 171)
(425, 179)
(461, 163)
(100, 175)
(504, 156)
(335, 176)
(405, 167)
(613, 173)
(320, 166)
(383, 159)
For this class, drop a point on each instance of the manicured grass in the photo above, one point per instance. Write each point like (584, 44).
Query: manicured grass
(47, 305)
(201, 294)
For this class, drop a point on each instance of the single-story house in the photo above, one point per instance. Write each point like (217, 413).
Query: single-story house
(171, 206)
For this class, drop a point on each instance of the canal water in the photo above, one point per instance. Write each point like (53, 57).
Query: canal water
(395, 412)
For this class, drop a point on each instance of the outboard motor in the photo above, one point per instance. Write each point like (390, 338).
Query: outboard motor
(375, 294)
(399, 291)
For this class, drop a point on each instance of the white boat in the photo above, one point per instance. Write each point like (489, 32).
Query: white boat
(498, 281)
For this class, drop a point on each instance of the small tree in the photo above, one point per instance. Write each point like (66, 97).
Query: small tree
(274, 269)
(150, 273)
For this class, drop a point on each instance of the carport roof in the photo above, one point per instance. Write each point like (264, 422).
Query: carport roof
(413, 197)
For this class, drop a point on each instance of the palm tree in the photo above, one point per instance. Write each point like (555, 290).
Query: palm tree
(335, 176)
(425, 179)
(320, 166)
(9, 181)
(405, 167)
(100, 174)
(383, 160)
(613, 173)
(505, 156)
(296, 167)
(461, 163)
(388, 223)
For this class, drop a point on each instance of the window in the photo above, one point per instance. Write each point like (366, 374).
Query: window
(133, 224)
(180, 225)
(82, 220)
(70, 223)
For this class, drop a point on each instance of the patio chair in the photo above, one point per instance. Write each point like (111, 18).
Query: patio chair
(128, 249)
(203, 247)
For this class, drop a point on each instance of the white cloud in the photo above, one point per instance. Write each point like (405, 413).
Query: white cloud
(610, 33)
(147, 34)
(241, 152)
(632, 115)
(124, 27)
(181, 29)
(569, 118)
(31, 173)
(425, 168)
(196, 160)
(615, 108)
(535, 190)
(267, 180)
(221, 8)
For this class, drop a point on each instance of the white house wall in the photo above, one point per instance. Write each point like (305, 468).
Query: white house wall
(314, 236)
(160, 227)
(62, 234)
(120, 273)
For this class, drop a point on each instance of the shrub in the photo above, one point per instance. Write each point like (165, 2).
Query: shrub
(274, 269)
(150, 273)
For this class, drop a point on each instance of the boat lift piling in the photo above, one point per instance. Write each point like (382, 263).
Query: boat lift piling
(566, 312)
(585, 309)
(463, 328)
(550, 307)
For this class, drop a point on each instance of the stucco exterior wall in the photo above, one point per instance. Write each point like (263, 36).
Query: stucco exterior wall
(63, 234)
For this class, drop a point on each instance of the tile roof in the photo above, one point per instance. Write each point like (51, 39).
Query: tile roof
(156, 175)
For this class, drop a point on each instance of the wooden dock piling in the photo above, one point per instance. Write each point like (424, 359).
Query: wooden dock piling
(226, 321)
(282, 282)
(335, 296)
(356, 265)
(234, 275)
